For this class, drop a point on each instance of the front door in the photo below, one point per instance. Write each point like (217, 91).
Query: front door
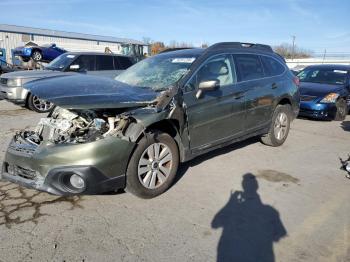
(216, 115)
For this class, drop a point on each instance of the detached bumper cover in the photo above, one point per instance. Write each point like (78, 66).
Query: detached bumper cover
(102, 164)
(318, 110)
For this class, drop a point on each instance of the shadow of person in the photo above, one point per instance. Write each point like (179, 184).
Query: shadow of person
(249, 227)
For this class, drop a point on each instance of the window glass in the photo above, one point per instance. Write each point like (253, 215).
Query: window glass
(85, 62)
(158, 72)
(271, 66)
(122, 62)
(104, 62)
(217, 68)
(323, 75)
(249, 67)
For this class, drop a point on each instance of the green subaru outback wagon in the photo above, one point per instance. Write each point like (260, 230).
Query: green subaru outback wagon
(134, 131)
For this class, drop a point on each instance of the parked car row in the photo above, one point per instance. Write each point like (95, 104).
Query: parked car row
(100, 64)
(134, 131)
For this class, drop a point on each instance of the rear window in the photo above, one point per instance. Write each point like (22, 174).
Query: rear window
(122, 62)
(271, 66)
(249, 67)
(104, 62)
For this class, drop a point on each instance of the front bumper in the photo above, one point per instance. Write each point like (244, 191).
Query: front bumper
(16, 95)
(318, 110)
(21, 53)
(102, 164)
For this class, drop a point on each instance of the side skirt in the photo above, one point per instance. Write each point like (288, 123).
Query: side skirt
(190, 154)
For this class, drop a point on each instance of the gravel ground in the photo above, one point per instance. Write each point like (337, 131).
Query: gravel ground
(246, 202)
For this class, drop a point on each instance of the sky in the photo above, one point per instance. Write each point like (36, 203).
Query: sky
(317, 24)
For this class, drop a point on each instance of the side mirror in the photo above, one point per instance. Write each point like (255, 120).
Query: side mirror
(209, 85)
(74, 67)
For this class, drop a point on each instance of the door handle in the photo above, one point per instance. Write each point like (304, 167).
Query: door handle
(239, 95)
(274, 86)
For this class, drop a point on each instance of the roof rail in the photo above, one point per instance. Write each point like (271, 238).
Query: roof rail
(240, 45)
(174, 49)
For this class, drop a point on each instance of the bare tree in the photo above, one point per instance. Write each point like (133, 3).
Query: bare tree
(289, 51)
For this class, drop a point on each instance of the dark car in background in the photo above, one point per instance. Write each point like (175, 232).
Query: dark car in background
(91, 63)
(325, 92)
(133, 132)
(45, 53)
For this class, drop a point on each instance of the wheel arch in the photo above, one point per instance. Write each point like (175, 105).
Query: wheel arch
(27, 99)
(169, 126)
(37, 49)
(284, 101)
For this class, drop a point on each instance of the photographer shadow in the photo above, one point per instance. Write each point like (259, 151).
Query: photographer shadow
(249, 227)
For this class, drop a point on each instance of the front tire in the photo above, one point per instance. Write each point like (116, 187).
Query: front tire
(280, 126)
(38, 105)
(153, 165)
(37, 56)
(342, 110)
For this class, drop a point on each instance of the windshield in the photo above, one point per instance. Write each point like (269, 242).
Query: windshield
(61, 62)
(158, 72)
(323, 76)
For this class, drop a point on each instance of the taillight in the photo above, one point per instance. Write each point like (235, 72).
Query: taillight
(296, 81)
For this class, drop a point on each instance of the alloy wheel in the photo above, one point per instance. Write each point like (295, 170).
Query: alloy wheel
(155, 165)
(37, 56)
(41, 105)
(342, 110)
(281, 126)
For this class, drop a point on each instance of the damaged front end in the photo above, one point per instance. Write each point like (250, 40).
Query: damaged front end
(72, 152)
(76, 127)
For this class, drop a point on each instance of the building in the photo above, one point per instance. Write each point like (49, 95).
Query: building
(12, 36)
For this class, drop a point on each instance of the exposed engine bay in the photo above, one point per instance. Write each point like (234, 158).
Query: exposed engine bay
(76, 126)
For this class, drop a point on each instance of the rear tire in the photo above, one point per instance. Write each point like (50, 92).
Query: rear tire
(280, 126)
(152, 166)
(342, 110)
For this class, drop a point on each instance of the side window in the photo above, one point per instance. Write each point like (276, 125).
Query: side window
(122, 62)
(271, 66)
(217, 68)
(104, 62)
(85, 62)
(249, 67)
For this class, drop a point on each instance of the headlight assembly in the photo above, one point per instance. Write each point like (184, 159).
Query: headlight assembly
(330, 98)
(14, 82)
(27, 51)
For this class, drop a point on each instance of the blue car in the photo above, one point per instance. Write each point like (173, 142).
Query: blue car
(325, 92)
(45, 53)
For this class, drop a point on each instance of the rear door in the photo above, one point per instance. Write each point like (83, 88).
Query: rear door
(52, 52)
(86, 63)
(258, 90)
(210, 117)
(105, 66)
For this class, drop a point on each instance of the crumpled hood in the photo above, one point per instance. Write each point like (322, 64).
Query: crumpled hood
(34, 74)
(90, 92)
(316, 89)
